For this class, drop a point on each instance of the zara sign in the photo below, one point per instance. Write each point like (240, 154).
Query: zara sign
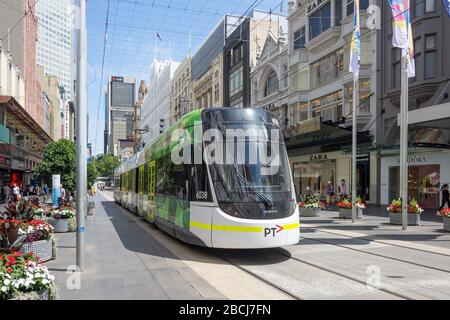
(313, 5)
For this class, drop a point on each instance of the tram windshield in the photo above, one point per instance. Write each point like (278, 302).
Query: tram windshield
(253, 181)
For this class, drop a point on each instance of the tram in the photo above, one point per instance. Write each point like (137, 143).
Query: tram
(207, 181)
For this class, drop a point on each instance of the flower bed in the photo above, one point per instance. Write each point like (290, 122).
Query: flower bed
(38, 238)
(62, 220)
(22, 277)
(445, 213)
(395, 212)
(345, 208)
(311, 207)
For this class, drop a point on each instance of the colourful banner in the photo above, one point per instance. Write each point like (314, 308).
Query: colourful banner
(447, 6)
(355, 47)
(400, 13)
(402, 37)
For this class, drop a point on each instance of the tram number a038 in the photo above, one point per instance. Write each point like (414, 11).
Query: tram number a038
(201, 195)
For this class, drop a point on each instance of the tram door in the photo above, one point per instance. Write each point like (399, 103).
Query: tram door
(151, 191)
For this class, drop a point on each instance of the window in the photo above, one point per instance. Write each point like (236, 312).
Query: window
(418, 56)
(338, 12)
(327, 69)
(363, 5)
(272, 85)
(300, 38)
(430, 57)
(236, 82)
(396, 67)
(429, 6)
(320, 21)
(418, 7)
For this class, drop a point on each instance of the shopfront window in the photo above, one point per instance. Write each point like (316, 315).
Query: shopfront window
(423, 184)
(315, 176)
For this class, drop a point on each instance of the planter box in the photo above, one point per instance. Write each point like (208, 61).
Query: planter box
(42, 249)
(42, 295)
(396, 219)
(447, 224)
(309, 212)
(347, 213)
(60, 225)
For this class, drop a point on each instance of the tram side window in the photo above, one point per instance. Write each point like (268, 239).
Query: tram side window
(145, 179)
(136, 180)
(199, 183)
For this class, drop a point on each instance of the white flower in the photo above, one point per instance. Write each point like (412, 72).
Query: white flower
(6, 282)
(4, 289)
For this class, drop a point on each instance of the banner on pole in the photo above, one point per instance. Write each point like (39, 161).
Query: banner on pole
(56, 188)
(355, 48)
(402, 37)
(447, 6)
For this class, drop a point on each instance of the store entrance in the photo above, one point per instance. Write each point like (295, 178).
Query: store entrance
(423, 184)
(315, 176)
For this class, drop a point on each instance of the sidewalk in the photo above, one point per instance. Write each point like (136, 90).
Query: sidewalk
(124, 262)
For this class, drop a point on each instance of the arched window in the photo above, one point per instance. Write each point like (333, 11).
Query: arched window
(271, 84)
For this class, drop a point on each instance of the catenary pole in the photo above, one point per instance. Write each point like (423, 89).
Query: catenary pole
(81, 135)
(354, 143)
(404, 144)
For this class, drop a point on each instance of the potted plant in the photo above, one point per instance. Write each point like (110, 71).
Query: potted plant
(62, 220)
(395, 212)
(445, 213)
(38, 239)
(345, 208)
(22, 277)
(310, 207)
(9, 235)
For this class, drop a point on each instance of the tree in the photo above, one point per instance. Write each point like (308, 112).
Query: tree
(59, 158)
(107, 164)
(92, 174)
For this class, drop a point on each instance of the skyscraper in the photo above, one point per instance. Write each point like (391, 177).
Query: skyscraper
(54, 46)
(119, 121)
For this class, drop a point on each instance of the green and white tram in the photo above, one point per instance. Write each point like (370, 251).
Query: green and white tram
(205, 199)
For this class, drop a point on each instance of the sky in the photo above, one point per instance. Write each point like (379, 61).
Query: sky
(131, 35)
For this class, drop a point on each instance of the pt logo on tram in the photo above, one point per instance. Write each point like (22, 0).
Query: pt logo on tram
(272, 232)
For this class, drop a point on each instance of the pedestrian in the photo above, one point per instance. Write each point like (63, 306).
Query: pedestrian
(342, 190)
(63, 193)
(93, 190)
(45, 189)
(330, 192)
(6, 192)
(16, 192)
(445, 198)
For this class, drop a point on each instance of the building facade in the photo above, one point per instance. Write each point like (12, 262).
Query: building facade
(156, 107)
(68, 123)
(320, 107)
(208, 89)
(270, 77)
(55, 46)
(119, 123)
(142, 93)
(244, 39)
(181, 91)
(22, 139)
(22, 40)
(429, 130)
(51, 92)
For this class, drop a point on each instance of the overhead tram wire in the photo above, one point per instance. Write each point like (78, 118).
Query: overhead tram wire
(102, 74)
(20, 20)
(127, 37)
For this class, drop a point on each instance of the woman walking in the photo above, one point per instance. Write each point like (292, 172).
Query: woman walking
(445, 198)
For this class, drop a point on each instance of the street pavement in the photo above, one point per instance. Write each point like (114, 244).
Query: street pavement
(128, 258)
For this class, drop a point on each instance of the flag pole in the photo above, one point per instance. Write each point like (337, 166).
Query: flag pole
(354, 143)
(404, 143)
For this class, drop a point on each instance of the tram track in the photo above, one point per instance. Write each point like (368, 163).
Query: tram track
(377, 254)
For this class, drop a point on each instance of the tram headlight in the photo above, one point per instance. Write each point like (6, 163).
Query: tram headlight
(230, 208)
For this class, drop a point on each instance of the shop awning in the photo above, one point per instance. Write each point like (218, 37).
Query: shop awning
(14, 108)
(328, 138)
